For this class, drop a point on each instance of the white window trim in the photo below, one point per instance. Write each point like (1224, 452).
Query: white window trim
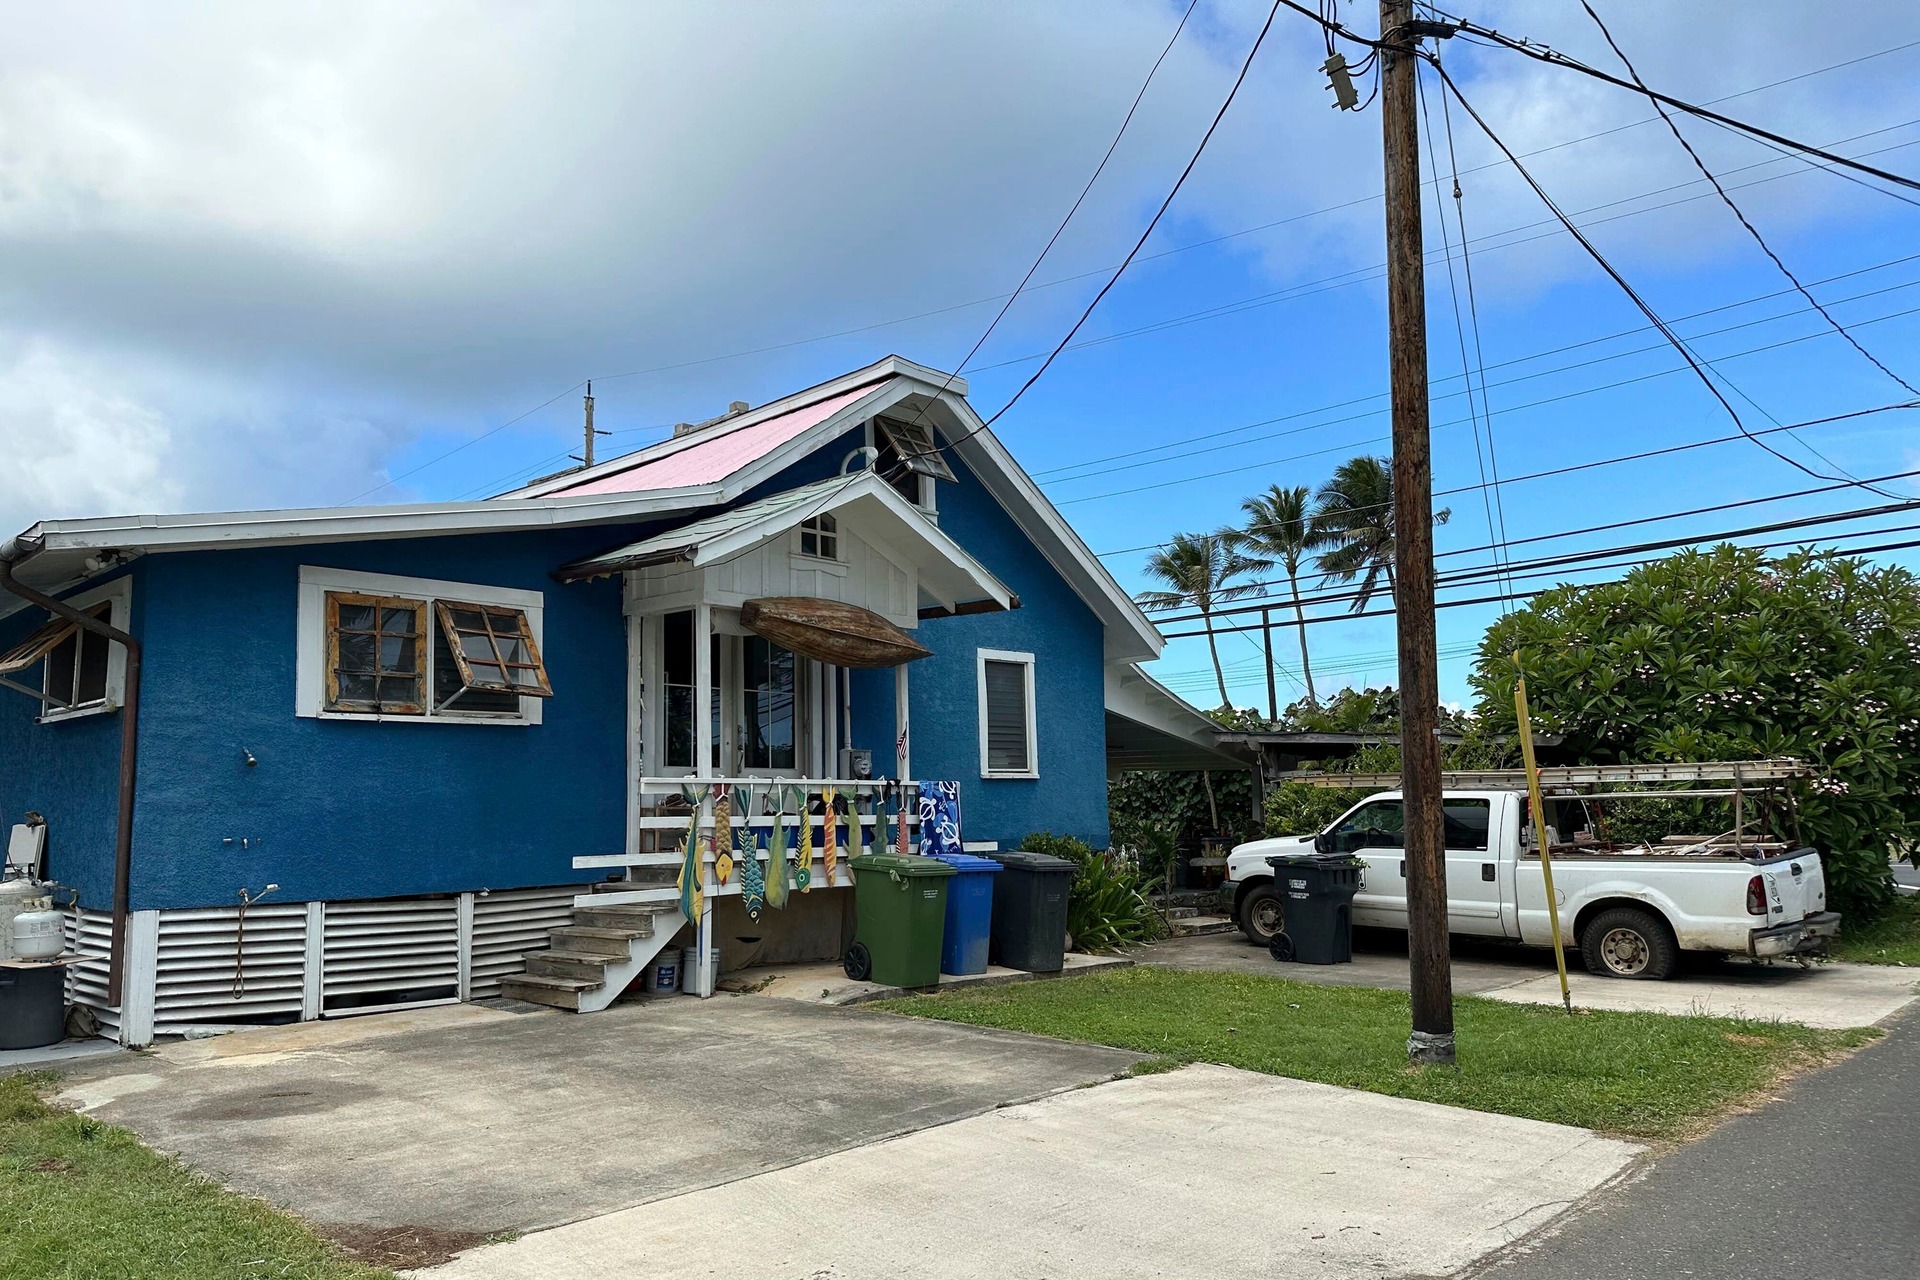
(120, 593)
(310, 677)
(834, 564)
(983, 657)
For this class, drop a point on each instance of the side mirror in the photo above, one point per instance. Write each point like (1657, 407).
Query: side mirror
(1323, 843)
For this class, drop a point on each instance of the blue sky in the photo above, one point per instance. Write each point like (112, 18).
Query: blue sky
(305, 257)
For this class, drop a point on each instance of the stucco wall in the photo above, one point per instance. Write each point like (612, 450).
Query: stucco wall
(1055, 625)
(337, 809)
(69, 771)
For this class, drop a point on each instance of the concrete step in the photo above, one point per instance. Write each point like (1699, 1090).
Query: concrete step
(586, 937)
(638, 917)
(1195, 926)
(571, 964)
(559, 993)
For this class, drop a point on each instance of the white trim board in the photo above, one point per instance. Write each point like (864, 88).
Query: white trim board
(309, 684)
(981, 658)
(120, 593)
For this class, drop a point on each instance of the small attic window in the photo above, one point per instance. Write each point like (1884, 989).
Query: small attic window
(906, 456)
(820, 537)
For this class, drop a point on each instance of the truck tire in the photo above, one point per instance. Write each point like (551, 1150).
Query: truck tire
(1261, 914)
(1628, 942)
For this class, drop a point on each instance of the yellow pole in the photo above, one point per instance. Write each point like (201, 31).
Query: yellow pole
(1540, 830)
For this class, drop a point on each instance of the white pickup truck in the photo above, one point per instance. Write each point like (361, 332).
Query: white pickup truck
(1629, 913)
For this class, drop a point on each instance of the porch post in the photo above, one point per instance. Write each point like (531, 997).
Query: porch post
(703, 767)
(900, 725)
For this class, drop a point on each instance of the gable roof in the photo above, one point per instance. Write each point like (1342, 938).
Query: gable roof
(864, 504)
(711, 454)
(896, 383)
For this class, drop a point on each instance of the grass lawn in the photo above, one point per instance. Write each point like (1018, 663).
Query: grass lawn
(80, 1200)
(1647, 1075)
(1892, 939)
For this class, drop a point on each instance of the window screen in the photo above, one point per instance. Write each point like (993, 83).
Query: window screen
(1007, 710)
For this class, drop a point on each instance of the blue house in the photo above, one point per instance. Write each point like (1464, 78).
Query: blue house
(305, 763)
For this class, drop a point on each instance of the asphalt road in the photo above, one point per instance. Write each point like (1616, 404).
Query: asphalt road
(1819, 1183)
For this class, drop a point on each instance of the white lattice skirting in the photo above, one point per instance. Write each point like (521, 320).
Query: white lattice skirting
(198, 968)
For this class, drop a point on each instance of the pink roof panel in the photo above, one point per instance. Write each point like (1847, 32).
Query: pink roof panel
(711, 461)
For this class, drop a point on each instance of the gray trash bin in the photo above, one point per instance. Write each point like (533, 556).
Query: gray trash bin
(1316, 895)
(33, 1004)
(1029, 925)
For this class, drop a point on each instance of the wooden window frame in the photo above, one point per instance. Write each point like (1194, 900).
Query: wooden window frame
(422, 639)
(311, 693)
(1032, 771)
(520, 630)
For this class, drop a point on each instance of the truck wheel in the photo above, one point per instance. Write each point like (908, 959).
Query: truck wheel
(1262, 915)
(1626, 942)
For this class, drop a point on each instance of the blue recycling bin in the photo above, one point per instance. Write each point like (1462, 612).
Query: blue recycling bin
(969, 913)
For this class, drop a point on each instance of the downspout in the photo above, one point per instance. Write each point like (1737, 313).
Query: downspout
(10, 553)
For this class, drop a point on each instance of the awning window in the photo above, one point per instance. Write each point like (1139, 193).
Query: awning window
(914, 444)
(38, 644)
(493, 649)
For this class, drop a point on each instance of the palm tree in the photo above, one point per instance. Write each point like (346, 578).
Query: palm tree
(1353, 513)
(1280, 530)
(1198, 569)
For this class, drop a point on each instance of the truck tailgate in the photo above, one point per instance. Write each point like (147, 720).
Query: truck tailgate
(1796, 886)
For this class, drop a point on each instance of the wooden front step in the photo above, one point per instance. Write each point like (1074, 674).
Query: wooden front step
(560, 993)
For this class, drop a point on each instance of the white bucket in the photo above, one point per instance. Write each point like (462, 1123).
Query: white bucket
(662, 976)
(690, 983)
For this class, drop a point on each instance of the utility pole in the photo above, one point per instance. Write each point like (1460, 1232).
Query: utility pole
(591, 433)
(1432, 1038)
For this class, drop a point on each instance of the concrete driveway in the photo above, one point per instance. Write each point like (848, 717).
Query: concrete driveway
(1823, 995)
(1206, 1171)
(477, 1120)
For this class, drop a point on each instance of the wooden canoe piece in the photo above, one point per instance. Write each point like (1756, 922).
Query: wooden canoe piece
(845, 635)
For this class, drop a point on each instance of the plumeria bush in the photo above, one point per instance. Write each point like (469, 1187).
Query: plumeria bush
(1734, 654)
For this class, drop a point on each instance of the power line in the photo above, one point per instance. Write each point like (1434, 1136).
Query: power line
(1633, 295)
(1525, 568)
(1635, 522)
(1180, 182)
(1184, 446)
(1503, 597)
(1541, 53)
(1534, 404)
(1496, 530)
(1077, 202)
(1737, 213)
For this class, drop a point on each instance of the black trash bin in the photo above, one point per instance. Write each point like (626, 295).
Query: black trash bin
(1316, 895)
(1029, 927)
(33, 1004)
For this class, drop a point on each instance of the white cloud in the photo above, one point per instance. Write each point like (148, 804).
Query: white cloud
(73, 445)
(335, 238)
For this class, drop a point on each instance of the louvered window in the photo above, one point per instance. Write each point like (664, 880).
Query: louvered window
(1007, 715)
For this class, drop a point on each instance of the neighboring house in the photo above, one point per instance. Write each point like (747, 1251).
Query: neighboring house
(433, 726)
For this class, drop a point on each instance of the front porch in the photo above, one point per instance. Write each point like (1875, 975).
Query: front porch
(745, 631)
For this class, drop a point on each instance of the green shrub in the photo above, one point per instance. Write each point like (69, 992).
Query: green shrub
(1732, 654)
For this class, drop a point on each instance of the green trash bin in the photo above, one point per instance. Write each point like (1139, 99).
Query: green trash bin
(900, 914)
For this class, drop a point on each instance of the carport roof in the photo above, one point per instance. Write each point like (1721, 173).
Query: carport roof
(1151, 727)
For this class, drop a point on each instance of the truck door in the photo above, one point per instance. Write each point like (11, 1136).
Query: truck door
(1473, 869)
(1374, 832)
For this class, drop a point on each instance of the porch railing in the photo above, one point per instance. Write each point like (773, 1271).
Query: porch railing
(663, 825)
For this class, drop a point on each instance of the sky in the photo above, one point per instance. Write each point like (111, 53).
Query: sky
(341, 254)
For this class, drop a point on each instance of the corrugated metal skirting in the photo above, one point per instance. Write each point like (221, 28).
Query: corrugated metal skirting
(286, 962)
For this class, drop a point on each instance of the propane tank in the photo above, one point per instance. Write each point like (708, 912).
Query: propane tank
(15, 893)
(37, 932)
